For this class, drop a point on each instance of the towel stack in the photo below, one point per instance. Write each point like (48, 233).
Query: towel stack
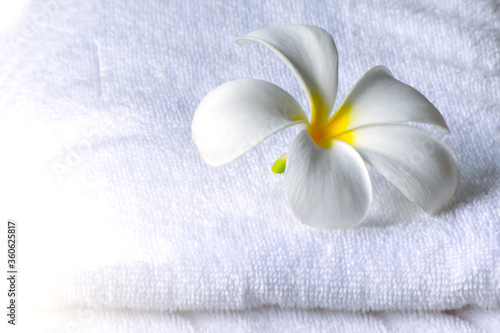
(122, 227)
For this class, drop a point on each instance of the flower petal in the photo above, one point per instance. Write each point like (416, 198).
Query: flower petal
(420, 165)
(327, 187)
(310, 53)
(238, 115)
(378, 98)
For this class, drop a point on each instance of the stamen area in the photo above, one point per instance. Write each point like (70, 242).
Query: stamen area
(320, 136)
(339, 121)
(323, 132)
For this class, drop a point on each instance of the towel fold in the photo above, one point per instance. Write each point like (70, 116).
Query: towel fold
(268, 319)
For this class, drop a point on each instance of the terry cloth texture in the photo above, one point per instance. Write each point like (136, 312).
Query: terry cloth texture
(122, 227)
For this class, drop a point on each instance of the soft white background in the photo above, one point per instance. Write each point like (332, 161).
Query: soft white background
(123, 228)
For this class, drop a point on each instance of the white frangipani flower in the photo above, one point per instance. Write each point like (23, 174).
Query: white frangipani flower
(326, 180)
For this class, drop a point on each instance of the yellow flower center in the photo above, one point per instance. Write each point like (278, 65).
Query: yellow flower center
(323, 130)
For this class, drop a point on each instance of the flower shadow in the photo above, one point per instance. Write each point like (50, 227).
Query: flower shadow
(469, 191)
(402, 211)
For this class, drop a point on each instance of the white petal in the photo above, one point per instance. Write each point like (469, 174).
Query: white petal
(420, 165)
(238, 115)
(327, 187)
(310, 53)
(378, 98)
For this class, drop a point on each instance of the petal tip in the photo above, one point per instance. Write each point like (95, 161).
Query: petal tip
(442, 129)
(243, 40)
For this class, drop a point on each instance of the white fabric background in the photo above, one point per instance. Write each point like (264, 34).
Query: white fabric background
(122, 227)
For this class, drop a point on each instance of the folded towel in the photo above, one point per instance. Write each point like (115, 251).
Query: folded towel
(267, 319)
(117, 211)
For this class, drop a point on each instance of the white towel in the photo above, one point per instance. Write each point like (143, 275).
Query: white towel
(266, 319)
(117, 211)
